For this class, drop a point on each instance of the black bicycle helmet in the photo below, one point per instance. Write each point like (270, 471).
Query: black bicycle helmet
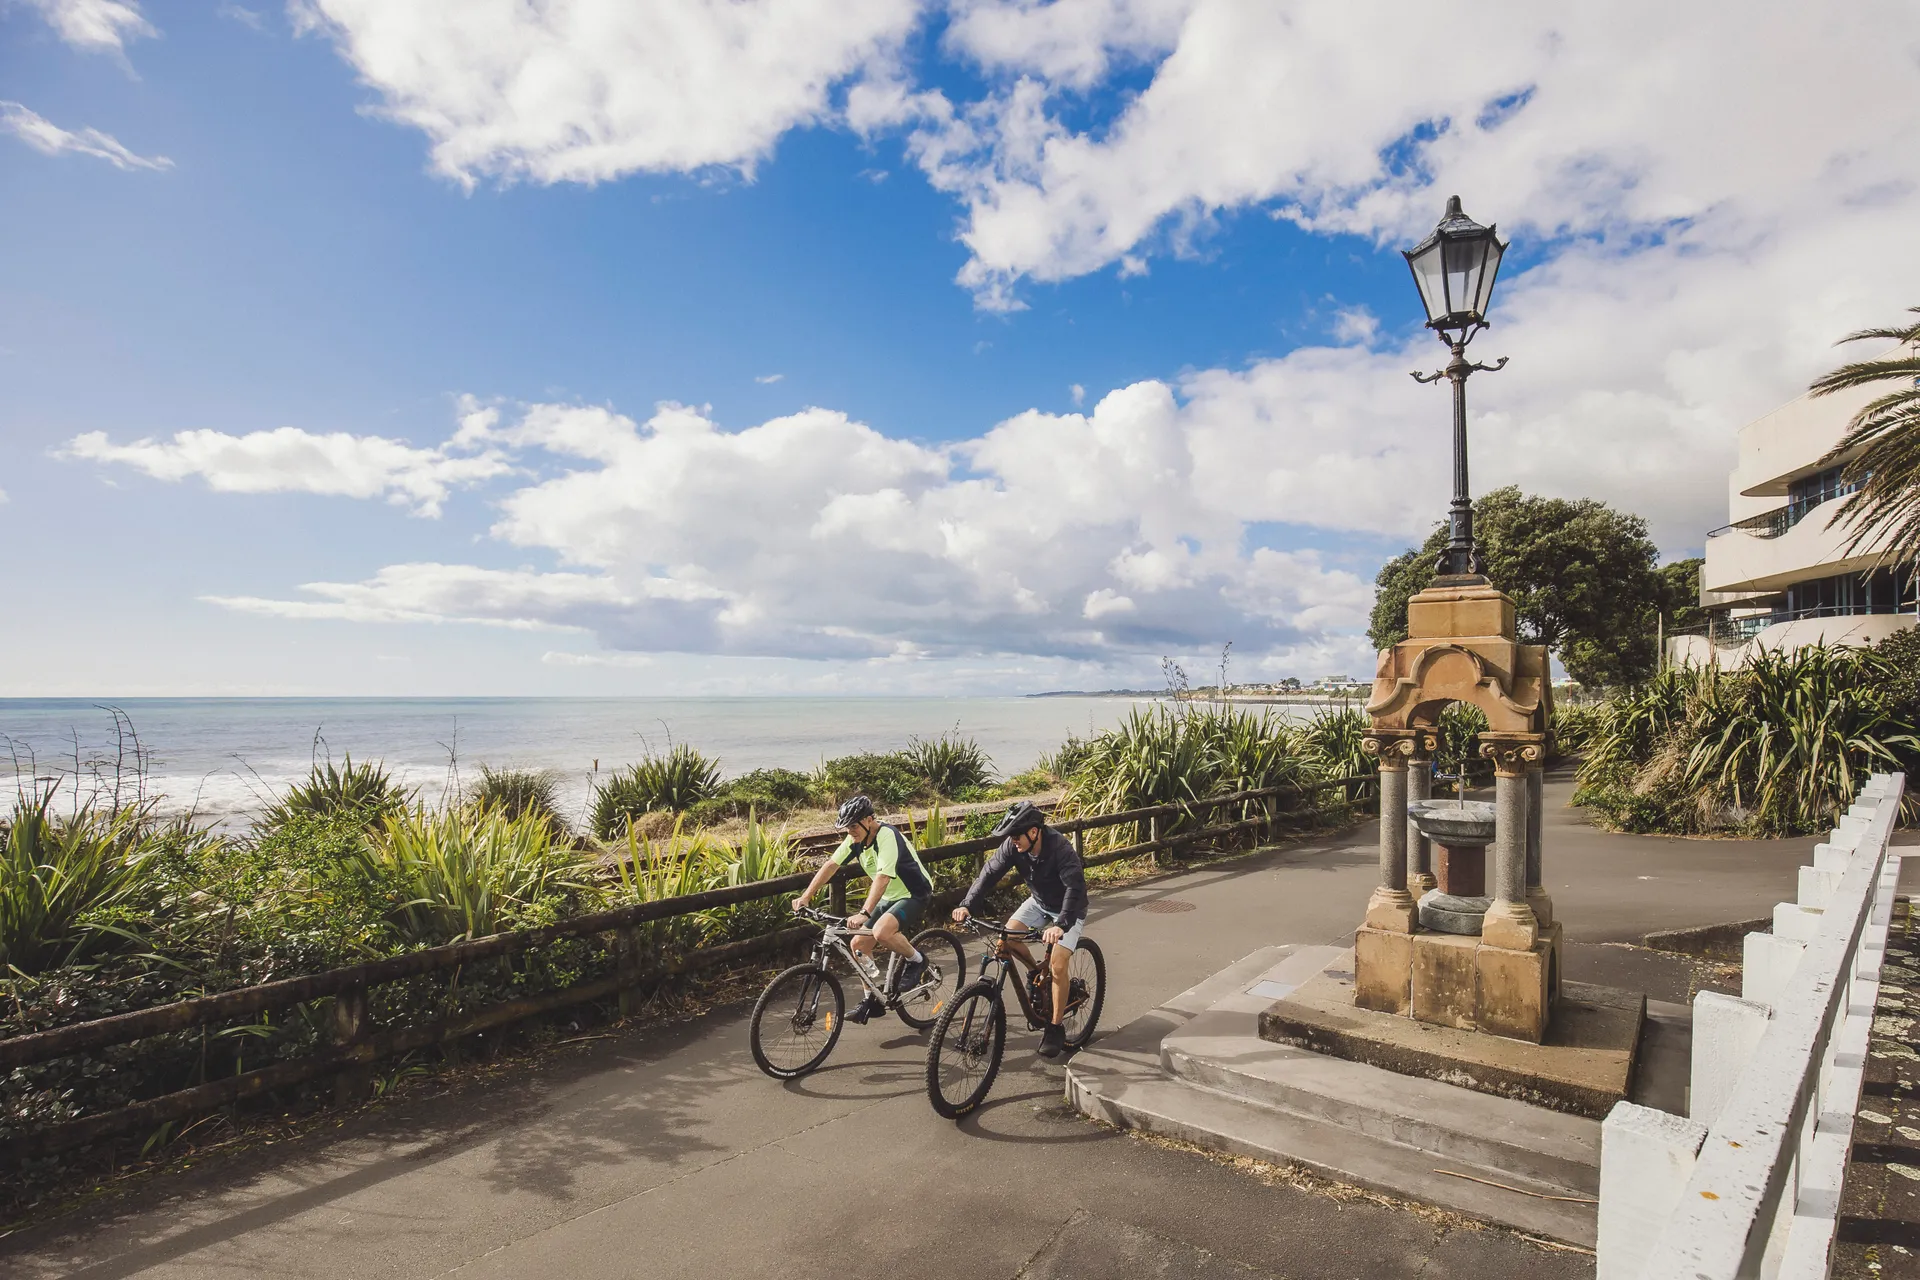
(1023, 815)
(855, 809)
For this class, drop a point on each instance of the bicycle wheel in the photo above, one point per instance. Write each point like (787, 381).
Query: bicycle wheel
(796, 1021)
(1086, 992)
(944, 953)
(963, 1054)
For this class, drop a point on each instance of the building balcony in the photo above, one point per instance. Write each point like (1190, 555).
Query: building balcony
(1771, 551)
(1736, 641)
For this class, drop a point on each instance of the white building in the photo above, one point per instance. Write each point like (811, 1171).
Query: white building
(1778, 574)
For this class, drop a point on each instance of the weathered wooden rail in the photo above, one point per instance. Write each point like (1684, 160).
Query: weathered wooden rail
(355, 1044)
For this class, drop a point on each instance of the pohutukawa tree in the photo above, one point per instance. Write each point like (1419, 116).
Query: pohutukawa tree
(1581, 575)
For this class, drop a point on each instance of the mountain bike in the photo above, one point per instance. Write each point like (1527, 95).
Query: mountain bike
(797, 1020)
(963, 1054)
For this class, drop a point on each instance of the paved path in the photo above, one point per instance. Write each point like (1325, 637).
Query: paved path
(665, 1153)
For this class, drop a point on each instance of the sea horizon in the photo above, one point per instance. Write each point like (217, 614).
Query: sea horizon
(225, 758)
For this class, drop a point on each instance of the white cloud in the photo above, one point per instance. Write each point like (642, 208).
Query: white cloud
(597, 89)
(768, 379)
(1079, 394)
(50, 139)
(289, 460)
(1086, 538)
(243, 15)
(97, 26)
(1355, 325)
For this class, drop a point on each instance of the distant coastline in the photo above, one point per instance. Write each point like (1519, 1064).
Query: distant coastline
(1272, 699)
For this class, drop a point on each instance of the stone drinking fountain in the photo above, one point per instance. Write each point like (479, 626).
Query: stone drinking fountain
(1460, 831)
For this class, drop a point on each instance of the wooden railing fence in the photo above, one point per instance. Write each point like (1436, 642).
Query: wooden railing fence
(355, 1043)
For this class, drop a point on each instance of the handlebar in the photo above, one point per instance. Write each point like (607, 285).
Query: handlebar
(837, 922)
(980, 924)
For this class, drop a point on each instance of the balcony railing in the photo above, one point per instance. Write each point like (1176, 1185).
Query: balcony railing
(1731, 633)
(1771, 524)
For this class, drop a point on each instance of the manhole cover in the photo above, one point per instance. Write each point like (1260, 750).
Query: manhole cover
(1167, 906)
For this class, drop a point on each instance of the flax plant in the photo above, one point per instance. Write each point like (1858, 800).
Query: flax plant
(461, 873)
(69, 886)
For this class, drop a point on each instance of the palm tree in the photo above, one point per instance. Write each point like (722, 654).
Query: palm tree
(1885, 472)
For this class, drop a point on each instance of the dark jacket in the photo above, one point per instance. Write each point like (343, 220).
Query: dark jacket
(1056, 877)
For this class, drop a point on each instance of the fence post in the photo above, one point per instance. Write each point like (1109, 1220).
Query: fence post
(346, 1027)
(837, 892)
(627, 964)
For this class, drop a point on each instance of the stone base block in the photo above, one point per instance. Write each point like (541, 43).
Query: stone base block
(1444, 979)
(1513, 991)
(1391, 910)
(1583, 1064)
(1382, 970)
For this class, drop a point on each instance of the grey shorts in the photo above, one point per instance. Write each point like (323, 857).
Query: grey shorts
(1035, 916)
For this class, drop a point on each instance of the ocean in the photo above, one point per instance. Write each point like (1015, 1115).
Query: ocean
(224, 759)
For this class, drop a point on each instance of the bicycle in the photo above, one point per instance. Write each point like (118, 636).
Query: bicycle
(797, 1020)
(963, 1054)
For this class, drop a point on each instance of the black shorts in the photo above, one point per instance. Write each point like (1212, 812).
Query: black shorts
(907, 911)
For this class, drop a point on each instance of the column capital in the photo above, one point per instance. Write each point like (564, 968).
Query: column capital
(1513, 754)
(1392, 747)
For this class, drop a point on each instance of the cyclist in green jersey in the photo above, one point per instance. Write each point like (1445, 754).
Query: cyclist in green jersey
(898, 893)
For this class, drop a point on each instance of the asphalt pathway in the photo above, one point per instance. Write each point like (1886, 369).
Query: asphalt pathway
(664, 1152)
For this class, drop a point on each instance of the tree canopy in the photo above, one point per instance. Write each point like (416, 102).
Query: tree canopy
(1582, 577)
(1881, 449)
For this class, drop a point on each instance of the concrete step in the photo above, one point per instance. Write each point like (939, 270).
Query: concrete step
(1195, 1069)
(1178, 1109)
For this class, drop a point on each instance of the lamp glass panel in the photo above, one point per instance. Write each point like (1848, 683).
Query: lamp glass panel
(1427, 275)
(1484, 301)
(1464, 259)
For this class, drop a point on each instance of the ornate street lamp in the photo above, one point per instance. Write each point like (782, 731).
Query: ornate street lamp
(1454, 269)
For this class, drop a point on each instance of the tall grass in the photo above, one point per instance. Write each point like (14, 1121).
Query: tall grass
(70, 885)
(1779, 747)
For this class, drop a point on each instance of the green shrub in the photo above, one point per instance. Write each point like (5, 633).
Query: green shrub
(767, 792)
(672, 783)
(1574, 726)
(948, 765)
(71, 886)
(889, 780)
(516, 793)
(1461, 725)
(364, 790)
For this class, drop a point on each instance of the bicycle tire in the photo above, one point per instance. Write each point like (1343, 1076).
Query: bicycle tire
(942, 948)
(1081, 1030)
(793, 985)
(988, 1043)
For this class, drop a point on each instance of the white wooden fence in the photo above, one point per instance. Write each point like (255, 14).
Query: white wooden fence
(1748, 1185)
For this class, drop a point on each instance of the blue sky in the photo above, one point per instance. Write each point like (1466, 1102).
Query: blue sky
(1006, 346)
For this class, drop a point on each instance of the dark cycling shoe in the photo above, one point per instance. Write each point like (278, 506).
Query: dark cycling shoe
(912, 974)
(865, 1009)
(1053, 1041)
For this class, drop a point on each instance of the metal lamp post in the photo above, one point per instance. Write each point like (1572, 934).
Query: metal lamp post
(1454, 269)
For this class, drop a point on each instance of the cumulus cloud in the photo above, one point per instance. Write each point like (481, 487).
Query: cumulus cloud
(1083, 537)
(289, 460)
(597, 89)
(96, 26)
(50, 139)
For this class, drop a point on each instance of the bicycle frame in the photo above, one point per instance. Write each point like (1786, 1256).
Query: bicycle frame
(1006, 960)
(833, 942)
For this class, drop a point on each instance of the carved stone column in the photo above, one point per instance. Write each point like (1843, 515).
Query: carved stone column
(1391, 907)
(1510, 922)
(1420, 876)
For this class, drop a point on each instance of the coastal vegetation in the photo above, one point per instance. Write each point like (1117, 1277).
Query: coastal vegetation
(1778, 747)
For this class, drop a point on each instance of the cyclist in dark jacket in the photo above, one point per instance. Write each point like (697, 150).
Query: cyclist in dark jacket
(1056, 899)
